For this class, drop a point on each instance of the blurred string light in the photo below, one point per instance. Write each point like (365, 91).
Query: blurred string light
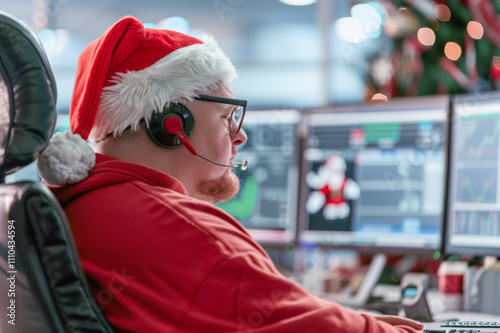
(298, 2)
(475, 29)
(442, 12)
(378, 97)
(350, 30)
(174, 23)
(373, 15)
(366, 22)
(383, 70)
(401, 23)
(426, 36)
(452, 51)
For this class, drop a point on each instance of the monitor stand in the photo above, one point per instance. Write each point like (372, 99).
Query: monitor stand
(371, 278)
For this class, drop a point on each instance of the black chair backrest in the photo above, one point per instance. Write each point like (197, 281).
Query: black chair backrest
(42, 285)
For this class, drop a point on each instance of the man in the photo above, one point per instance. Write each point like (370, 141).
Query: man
(158, 255)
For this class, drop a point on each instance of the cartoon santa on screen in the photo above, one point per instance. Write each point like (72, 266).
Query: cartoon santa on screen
(332, 189)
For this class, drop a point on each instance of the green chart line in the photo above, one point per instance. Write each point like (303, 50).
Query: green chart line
(243, 205)
(488, 140)
(472, 193)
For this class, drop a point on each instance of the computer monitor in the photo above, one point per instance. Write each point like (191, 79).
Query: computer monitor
(267, 202)
(473, 188)
(373, 176)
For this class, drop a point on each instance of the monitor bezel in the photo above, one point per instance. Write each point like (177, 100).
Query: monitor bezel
(405, 104)
(448, 249)
(289, 236)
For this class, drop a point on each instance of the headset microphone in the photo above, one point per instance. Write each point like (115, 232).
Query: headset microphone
(243, 165)
(173, 126)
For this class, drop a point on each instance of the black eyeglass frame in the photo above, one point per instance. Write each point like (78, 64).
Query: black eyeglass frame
(230, 101)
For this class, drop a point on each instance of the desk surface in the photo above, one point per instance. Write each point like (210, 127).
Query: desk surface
(392, 293)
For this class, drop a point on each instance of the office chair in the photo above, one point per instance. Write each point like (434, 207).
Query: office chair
(42, 285)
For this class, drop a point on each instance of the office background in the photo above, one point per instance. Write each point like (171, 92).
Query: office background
(327, 51)
(323, 53)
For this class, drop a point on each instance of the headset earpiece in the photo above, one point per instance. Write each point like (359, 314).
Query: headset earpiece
(172, 128)
(156, 129)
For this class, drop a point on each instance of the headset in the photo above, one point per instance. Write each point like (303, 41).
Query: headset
(173, 126)
(164, 125)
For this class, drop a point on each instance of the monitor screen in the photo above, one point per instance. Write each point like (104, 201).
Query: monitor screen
(267, 202)
(473, 200)
(373, 176)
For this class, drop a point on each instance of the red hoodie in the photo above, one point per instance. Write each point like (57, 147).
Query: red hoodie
(159, 261)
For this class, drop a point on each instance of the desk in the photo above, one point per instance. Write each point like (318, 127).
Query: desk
(392, 293)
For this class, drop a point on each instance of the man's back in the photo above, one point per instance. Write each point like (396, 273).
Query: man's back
(159, 261)
(158, 255)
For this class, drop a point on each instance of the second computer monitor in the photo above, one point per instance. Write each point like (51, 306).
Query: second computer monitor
(267, 202)
(373, 176)
(474, 201)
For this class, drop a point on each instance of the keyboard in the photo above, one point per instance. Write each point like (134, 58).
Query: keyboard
(471, 324)
(467, 327)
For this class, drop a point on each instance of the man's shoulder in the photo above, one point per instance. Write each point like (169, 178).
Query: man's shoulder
(210, 221)
(161, 209)
(114, 193)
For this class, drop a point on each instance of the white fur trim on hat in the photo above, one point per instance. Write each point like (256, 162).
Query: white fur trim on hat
(67, 159)
(179, 76)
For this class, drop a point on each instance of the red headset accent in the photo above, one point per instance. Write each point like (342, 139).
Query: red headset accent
(173, 126)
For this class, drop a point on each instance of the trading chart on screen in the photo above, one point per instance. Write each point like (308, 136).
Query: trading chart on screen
(267, 201)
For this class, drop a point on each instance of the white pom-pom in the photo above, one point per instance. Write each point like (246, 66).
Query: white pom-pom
(67, 159)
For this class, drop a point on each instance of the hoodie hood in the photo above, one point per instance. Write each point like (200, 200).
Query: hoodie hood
(111, 171)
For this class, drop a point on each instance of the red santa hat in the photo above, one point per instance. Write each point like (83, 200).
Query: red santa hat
(335, 162)
(123, 77)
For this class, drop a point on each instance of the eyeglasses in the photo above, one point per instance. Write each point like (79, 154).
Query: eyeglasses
(237, 115)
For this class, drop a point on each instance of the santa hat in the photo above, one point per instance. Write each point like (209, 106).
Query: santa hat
(123, 77)
(335, 162)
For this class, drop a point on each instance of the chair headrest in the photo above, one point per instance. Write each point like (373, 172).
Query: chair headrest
(27, 96)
